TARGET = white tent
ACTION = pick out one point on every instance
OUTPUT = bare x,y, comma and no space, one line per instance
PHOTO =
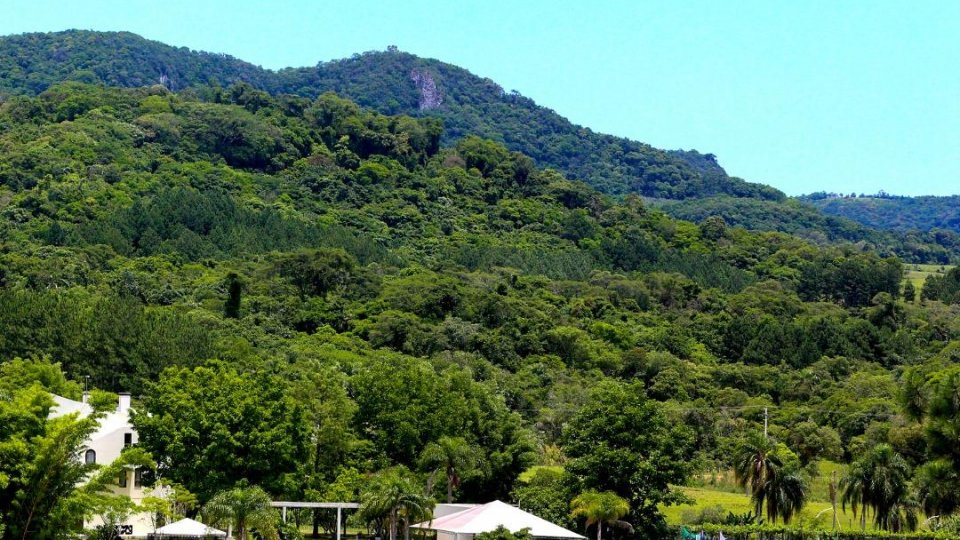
188,528
485,518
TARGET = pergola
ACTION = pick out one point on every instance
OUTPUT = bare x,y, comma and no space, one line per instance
340,506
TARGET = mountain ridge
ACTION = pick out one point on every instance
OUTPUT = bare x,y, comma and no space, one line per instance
384,81
397,83
892,212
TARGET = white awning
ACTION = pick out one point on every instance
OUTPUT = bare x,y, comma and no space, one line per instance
488,517
189,527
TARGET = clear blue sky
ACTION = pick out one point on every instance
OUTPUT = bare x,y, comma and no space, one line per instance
804,95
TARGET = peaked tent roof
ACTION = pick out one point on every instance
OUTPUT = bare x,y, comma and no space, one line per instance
488,517
189,527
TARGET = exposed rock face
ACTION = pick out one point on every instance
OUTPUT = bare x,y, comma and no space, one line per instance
430,97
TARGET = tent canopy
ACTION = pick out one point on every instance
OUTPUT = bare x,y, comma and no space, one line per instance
189,527
488,517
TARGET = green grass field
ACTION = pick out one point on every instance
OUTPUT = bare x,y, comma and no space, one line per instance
816,514
917,273
718,494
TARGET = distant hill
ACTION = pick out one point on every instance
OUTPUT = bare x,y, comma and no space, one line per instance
891,212
390,82
803,218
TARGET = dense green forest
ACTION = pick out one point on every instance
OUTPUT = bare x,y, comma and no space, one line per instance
353,306
391,82
882,211
920,242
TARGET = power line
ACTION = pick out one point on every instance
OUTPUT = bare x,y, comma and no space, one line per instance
801,409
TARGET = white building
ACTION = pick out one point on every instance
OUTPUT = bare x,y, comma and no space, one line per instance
114,434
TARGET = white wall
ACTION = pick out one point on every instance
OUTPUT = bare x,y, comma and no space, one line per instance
108,442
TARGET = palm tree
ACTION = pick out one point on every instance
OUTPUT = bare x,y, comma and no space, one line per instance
455,456
394,497
772,481
905,515
938,487
243,509
785,492
755,462
880,481
604,508
854,488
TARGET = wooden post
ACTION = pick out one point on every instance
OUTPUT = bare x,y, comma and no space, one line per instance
338,522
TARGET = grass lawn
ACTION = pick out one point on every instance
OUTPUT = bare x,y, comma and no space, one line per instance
917,273
816,514
721,495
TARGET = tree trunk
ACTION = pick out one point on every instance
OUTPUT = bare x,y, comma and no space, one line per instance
316,523
451,480
599,529
430,480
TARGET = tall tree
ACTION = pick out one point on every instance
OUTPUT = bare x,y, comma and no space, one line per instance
394,498
755,463
455,457
772,476
622,442
880,481
212,426
39,468
46,489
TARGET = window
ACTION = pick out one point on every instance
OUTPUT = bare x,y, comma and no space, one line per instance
90,457
127,439
137,477
122,480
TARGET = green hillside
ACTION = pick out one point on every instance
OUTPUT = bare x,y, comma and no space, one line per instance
897,213
308,260
384,81
801,218
393,82
330,303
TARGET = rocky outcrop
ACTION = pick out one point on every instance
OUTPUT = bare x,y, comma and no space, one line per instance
430,96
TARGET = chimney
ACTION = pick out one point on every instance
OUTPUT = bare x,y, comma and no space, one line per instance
124,402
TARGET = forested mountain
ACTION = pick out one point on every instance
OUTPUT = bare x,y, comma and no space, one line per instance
390,82
801,217
424,298
341,298
394,82
884,211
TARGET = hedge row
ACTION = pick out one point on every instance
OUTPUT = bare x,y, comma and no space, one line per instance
773,532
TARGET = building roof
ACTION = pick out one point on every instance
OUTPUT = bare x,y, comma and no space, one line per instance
111,422
189,527
488,517
64,406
